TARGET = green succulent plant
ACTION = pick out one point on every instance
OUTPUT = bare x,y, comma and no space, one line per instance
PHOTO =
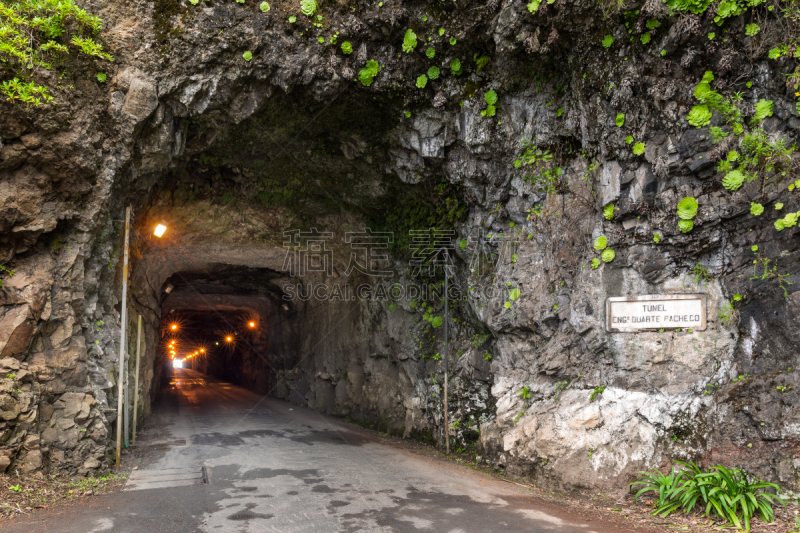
656,238
685,226
513,294
595,263
687,208
433,73
247,56
431,53
645,38
264,7
308,7
101,77
600,243
620,121
409,41
638,149
455,67
608,255
699,116
422,81
756,209
607,41
347,48
608,212
733,180
368,72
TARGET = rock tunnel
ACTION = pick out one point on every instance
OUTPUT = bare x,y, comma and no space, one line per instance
553,172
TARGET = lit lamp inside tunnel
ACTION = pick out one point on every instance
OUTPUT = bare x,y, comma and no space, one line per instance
173,327
159,231
252,324
228,339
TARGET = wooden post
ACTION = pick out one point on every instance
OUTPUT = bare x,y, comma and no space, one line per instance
123,331
136,377
446,324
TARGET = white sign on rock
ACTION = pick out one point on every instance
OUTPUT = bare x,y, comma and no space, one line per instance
652,312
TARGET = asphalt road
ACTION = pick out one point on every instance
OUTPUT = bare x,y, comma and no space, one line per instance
272,466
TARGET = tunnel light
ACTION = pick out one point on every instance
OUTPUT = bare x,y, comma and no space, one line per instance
159,231
173,327
228,338
252,324
216,343
202,350
177,363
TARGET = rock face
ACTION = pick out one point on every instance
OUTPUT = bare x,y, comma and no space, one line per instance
237,154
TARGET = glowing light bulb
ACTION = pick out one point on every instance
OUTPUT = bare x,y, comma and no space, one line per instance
159,231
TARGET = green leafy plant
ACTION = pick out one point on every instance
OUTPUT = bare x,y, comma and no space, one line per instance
608,212
452,41
33,33
596,392
491,99
368,72
481,61
455,67
543,174
644,38
430,52
409,41
600,243
264,6
620,121
433,73
101,77
15,488
292,19
607,41
308,7
701,273
347,48
763,110
596,263
752,29
685,226
699,116
533,6
525,393
513,294
422,81
687,208
756,209
608,255
656,238
247,56
638,149
733,180
629,139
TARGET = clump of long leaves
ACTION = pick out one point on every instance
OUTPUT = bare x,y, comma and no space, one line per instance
729,494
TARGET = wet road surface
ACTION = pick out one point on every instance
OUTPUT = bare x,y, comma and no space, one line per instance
272,466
